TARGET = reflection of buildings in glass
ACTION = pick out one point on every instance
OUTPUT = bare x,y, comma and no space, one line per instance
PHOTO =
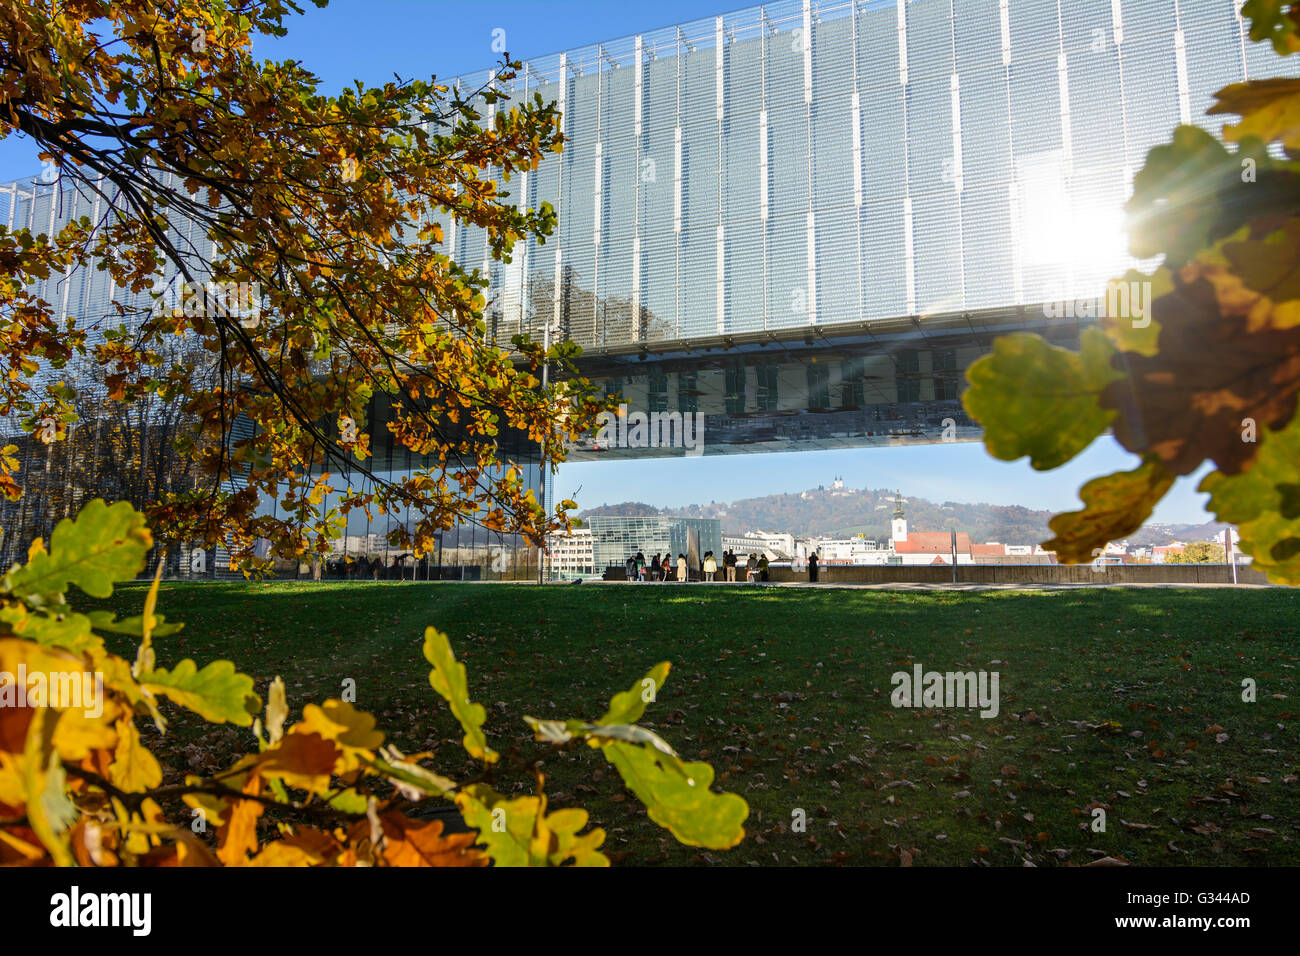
617,538
467,549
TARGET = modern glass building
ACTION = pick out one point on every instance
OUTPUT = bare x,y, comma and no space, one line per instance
817,162
614,538
805,219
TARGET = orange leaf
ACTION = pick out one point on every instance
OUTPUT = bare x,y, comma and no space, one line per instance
410,842
302,759
239,835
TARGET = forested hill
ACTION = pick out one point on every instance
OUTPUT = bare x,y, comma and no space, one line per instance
825,512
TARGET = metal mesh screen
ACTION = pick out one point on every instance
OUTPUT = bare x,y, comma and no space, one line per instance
825,162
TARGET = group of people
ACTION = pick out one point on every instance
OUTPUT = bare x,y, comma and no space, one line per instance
663,568
658,568
362,567
755,566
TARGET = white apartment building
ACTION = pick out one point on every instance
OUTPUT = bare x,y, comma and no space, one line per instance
744,544
572,555
858,550
776,543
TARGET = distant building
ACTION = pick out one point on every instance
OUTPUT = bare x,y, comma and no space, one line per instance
933,547
860,550
904,546
1161,553
746,544
995,553
615,538
571,556
776,543
909,547
925,547
838,489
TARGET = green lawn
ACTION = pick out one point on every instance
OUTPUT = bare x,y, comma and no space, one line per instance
1128,699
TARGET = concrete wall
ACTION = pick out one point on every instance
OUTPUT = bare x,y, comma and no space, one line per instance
1028,574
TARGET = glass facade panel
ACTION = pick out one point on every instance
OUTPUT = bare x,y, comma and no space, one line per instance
837,161
614,539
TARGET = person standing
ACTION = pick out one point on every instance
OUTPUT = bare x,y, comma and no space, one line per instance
751,569
682,576
630,566
654,566
640,566
812,568
710,565
729,563
762,566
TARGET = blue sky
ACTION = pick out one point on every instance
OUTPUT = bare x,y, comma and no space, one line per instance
371,39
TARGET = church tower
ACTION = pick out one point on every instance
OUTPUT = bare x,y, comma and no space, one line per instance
900,522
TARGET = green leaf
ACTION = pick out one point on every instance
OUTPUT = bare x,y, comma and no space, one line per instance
412,774
677,796
449,680
1192,193
519,831
1127,334
1040,400
1264,502
67,630
582,849
102,546
348,801
1114,506
628,706
1270,20
509,835
133,626
217,693
1271,267
49,811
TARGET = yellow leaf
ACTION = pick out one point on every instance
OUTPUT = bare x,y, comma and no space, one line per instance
134,768
277,711
1269,109
238,836
353,730
280,853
